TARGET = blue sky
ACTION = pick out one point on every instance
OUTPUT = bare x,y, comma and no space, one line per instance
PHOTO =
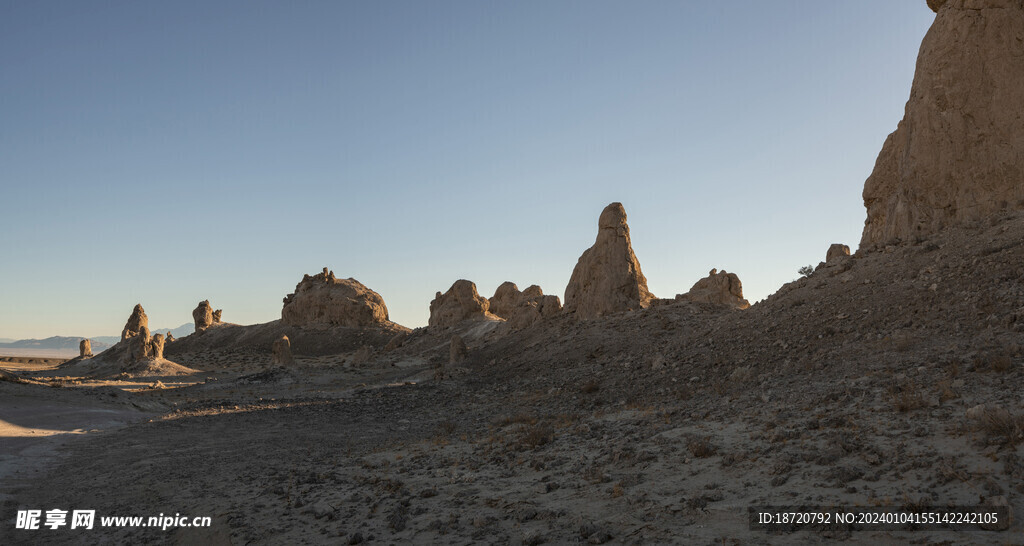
170,152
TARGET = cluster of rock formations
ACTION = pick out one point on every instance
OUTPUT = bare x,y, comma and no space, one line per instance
325,299
958,153
461,302
720,288
521,309
140,345
204,316
136,322
607,278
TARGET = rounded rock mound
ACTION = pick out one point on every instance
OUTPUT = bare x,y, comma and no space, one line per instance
324,299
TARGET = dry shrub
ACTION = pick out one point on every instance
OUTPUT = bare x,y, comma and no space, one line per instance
946,392
953,368
617,490
446,428
996,360
701,447
521,418
997,422
591,386
906,397
537,435
1000,363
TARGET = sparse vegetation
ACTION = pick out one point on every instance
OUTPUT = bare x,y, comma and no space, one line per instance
701,447
537,435
806,270
906,397
521,418
1001,425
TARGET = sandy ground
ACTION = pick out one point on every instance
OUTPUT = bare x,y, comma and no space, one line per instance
37,353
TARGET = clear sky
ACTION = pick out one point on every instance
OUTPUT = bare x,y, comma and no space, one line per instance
168,152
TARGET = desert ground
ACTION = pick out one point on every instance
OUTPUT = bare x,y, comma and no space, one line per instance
888,378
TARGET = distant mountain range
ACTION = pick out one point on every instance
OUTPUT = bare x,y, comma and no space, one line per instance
99,343
55,342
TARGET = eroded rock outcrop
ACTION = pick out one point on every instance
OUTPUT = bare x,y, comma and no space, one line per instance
136,322
85,348
457,350
522,309
203,315
720,288
281,352
958,153
607,278
461,302
836,251
325,299
157,346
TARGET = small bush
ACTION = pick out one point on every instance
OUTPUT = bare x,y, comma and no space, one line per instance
906,397
999,423
537,435
521,418
1000,363
591,386
806,270
701,447
946,392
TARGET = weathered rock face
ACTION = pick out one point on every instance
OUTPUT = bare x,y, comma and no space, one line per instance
522,309
136,322
282,351
836,251
85,348
203,315
324,299
607,279
216,315
720,288
958,153
461,302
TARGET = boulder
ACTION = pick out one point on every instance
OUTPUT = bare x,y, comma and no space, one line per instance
217,315
84,348
136,322
324,299
607,278
203,315
836,251
521,309
936,4
719,288
461,302
958,154
282,352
